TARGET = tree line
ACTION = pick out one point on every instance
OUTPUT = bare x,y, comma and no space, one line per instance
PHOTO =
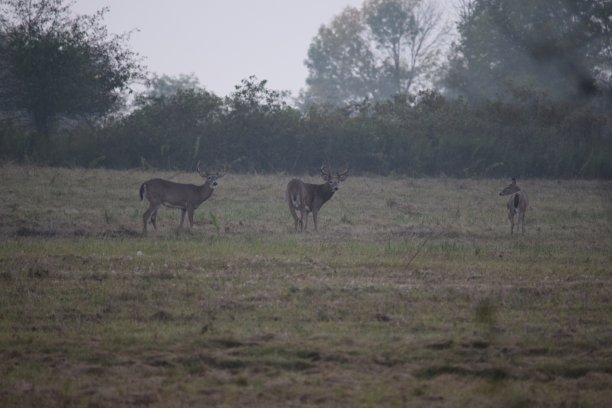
428,134
64,82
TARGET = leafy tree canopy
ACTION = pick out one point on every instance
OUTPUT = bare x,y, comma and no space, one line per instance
168,131
165,85
253,95
386,48
559,47
58,66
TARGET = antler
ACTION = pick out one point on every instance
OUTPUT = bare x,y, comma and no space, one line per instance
202,173
221,172
205,173
325,171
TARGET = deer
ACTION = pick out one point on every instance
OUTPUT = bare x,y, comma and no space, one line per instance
185,197
304,198
517,202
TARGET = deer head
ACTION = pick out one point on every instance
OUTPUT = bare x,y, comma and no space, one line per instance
333,180
211,178
510,189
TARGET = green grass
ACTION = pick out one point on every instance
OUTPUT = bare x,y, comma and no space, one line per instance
412,293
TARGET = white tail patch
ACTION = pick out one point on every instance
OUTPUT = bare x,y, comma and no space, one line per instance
517,203
295,201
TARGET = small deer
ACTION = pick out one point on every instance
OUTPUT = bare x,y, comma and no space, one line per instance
186,197
304,198
518,202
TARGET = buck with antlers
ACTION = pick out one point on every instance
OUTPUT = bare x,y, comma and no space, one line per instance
185,197
517,203
304,198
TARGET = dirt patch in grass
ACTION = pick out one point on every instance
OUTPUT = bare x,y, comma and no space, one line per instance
32,232
401,300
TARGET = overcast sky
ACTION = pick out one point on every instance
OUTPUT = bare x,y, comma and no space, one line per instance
222,41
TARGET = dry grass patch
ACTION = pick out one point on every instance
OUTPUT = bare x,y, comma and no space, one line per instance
412,293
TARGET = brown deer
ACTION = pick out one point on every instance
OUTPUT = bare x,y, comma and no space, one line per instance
304,198
517,202
185,197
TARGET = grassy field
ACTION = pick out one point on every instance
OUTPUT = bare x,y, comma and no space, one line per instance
412,293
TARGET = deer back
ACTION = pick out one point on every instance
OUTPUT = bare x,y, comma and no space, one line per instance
311,197
518,201
518,198
175,194
308,196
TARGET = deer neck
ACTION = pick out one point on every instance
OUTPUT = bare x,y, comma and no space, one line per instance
205,191
325,192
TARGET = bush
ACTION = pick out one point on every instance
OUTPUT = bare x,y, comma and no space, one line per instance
425,135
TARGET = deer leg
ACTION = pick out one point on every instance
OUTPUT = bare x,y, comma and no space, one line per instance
147,215
314,219
304,220
154,219
183,210
296,219
522,220
190,215
293,201
511,217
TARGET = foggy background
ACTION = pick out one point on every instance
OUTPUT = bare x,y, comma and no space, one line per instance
222,42
463,88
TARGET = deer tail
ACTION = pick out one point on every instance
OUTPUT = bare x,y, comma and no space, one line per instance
294,200
517,199
143,188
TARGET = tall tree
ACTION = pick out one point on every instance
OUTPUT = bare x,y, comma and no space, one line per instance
165,85
341,65
56,65
388,47
409,33
172,131
258,126
561,47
